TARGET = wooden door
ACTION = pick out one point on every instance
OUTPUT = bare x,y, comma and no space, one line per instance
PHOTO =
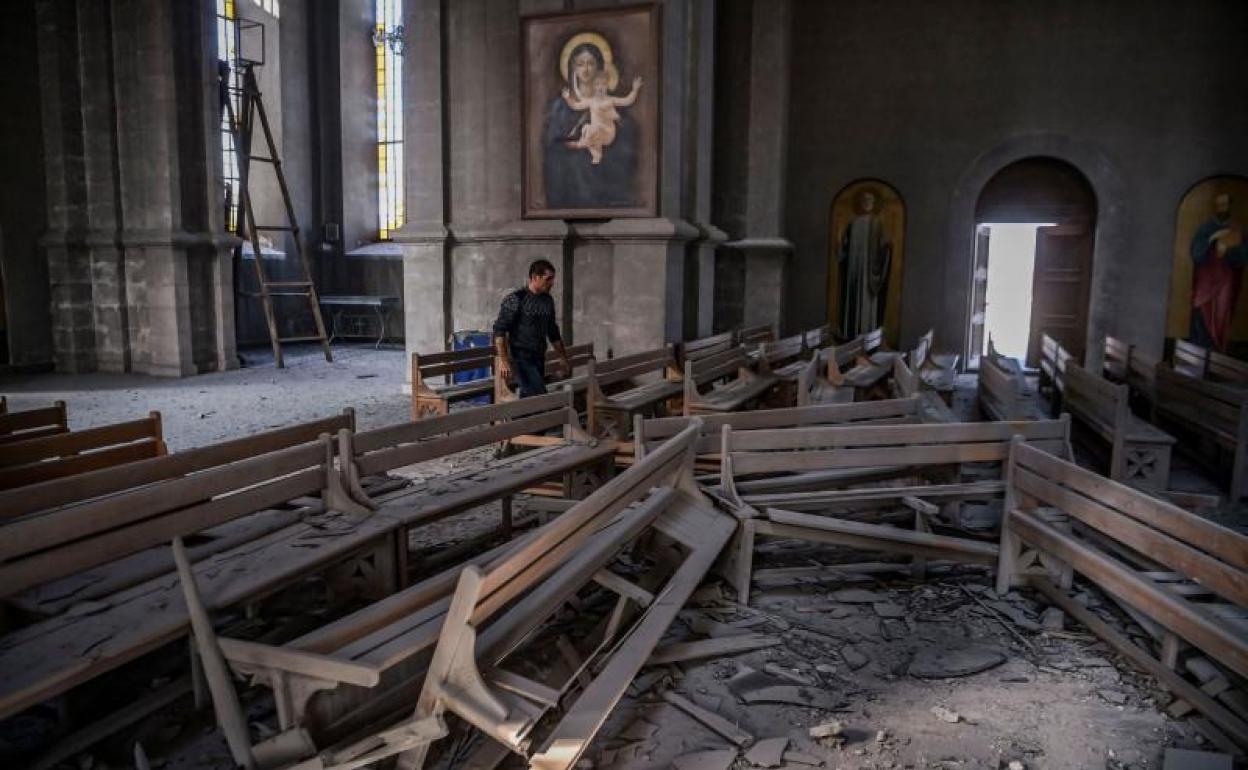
1060,289
979,292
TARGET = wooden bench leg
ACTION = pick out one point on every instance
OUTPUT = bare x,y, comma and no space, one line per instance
737,565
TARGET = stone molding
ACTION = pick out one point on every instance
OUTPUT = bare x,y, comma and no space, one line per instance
137,238
782,245
659,231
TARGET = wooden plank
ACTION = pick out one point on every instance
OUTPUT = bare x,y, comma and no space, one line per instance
78,441
766,528
302,662
979,551
412,431
626,588
16,576
726,730
34,533
935,454
12,424
887,435
18,476
1184,618
711,648
381,460
802,500
1125,647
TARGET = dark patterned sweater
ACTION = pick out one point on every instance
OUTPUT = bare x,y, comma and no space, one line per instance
527,320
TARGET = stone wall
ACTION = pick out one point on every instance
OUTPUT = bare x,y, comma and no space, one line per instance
935,102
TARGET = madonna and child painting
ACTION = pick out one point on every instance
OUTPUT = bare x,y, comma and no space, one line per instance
591,115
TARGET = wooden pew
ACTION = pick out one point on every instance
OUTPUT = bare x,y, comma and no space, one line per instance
746,388
32,423
1117,362
753,336
1053,359
848,455
650,433
59,455
1195,361
449,638
618,391
937,370
431,399
784,360
1215,411
1139,452
906,384
693,350
819,337
557,378
133,611
1002,389
822,381
1061,520
57,496
580,462
869,374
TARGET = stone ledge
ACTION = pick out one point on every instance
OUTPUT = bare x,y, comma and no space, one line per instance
760,244
658,231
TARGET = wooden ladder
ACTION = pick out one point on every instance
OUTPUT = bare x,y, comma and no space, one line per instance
251,107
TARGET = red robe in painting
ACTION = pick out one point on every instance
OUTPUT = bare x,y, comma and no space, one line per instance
1215,285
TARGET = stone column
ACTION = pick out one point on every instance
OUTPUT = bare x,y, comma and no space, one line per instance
702,109
69,265
424,237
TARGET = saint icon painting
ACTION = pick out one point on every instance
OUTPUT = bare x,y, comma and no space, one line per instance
1209,282
591,115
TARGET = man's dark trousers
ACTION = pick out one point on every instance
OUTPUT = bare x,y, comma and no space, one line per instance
530,368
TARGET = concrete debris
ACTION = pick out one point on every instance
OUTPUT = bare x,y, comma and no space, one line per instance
947,663
853,657
946,715
830,729
721,759
858,596
1185,759
768,752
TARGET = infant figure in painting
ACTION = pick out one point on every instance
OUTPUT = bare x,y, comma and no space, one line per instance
599,132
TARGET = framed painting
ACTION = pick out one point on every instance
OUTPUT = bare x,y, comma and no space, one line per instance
867,226
591,114
1208,283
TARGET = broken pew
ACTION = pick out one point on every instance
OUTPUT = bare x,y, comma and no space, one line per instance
1002,389
906,384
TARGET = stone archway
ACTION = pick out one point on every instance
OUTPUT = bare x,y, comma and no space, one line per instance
1110,189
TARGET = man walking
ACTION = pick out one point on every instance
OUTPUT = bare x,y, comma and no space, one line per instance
525,322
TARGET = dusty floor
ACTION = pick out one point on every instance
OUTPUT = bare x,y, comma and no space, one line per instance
1055,700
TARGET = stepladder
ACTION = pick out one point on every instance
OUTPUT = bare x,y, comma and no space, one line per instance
244,119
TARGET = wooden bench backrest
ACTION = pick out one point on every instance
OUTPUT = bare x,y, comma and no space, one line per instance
1213,556
1224,368
1190,359
1097,399
873,340
922,350
426,366
625,368
887,411
108,481
61,455
819,337
1213,406
905,381
711,368
33,423
1053,358
578,355
753,335
48,545
1001,382
407,443
1117,359
827,448
784,350
692,350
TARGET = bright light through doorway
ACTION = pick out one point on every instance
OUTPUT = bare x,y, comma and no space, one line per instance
1011,267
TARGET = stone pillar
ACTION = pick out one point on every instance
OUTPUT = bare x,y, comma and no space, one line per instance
755,178
705,246
69,266
424,237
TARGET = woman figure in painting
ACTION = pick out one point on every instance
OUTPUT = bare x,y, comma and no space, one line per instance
1219,255
583,120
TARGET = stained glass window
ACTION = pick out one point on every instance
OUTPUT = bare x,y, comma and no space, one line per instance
227,55
388,39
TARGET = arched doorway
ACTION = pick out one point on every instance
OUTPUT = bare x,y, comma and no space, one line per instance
1035,223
